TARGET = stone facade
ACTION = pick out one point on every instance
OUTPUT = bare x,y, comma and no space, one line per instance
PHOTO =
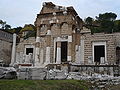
62,39
107,40
5,47
58,29
25,51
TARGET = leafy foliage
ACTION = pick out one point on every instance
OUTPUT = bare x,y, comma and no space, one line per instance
29,28
4,25
105,22
30,31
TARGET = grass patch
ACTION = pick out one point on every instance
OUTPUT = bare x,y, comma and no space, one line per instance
43,85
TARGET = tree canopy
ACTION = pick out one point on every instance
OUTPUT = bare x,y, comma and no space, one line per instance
106,16
105,22
30,31
4,25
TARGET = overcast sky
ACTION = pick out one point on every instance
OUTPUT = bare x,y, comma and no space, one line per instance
20,12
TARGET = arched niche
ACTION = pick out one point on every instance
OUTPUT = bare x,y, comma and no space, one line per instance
55,29
43,29
64,28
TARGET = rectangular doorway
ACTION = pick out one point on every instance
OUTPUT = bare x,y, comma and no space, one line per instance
64,51
29,50
55,51
99,51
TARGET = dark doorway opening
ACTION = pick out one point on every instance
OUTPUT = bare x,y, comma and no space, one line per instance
63,51
99,51
29,50
55,51
117,55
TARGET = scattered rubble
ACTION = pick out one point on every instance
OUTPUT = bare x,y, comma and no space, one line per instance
99,81
8,73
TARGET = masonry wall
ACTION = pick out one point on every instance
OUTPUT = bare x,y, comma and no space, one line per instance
100,37
5,51
117,39
63,23
5,46
20,49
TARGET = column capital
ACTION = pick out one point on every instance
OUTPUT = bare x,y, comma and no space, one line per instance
37,39
49,32
69,38
58,39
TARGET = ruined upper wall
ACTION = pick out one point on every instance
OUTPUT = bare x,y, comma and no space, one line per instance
49,10
49,7
54,18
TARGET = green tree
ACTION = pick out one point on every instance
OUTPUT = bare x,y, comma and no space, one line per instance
116,26
2,23
17,30
30,31
106,22
7,27
89,21
106,16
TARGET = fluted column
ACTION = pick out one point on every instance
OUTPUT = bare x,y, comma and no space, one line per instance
37,52
82,50
48,42
69,48
58,59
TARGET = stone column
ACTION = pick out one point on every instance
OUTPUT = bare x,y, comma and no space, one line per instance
82,50
37,52
69,48
58,59
48,42
77,56
47,55
13,55
38,31
41,56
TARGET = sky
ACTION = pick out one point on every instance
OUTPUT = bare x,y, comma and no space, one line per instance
20,12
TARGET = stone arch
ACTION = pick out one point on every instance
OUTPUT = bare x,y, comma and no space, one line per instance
55,29
64,28
63,24
52,24
43,29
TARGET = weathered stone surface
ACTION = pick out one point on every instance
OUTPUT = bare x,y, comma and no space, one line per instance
8,73
5,47
62,24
